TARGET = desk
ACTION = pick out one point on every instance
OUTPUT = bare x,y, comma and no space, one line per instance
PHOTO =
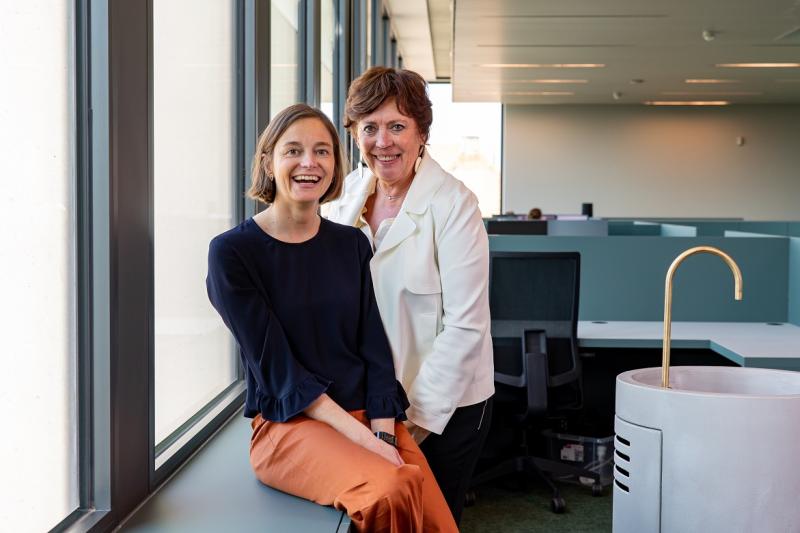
750,344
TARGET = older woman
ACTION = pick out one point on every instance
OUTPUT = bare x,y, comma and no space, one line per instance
296,293
430,271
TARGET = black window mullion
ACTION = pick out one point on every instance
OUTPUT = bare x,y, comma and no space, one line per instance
343,66
312,55
130,251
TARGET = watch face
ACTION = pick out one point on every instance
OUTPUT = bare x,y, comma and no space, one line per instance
387,437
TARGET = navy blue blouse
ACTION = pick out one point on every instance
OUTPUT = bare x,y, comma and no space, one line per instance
306,320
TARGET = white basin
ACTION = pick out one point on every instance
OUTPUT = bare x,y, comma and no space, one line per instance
718,451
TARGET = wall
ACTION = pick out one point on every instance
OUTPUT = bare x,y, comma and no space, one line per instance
653,161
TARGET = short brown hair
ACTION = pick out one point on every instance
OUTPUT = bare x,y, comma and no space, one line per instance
368,92
262,188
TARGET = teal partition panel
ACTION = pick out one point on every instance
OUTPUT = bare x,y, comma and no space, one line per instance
794,280
630,227
675,230
622,278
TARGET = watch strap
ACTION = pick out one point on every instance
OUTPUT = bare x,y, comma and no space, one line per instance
387,437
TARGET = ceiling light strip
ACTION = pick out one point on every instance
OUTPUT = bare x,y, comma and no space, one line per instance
710,80
758,65
542,65
690,103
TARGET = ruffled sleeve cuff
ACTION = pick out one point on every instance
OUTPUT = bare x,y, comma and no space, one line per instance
388,406
303,395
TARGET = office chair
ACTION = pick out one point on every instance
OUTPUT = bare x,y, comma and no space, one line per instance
534,306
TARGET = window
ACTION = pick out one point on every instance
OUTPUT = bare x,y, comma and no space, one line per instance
285,49
465,139
38,401
194,198
327,59
370,30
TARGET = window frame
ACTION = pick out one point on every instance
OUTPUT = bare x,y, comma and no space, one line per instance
114,62
116,315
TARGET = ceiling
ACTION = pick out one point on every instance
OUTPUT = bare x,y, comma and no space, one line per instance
649,50
411,26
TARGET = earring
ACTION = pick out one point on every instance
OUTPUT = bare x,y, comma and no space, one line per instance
361,166
418,162
270,177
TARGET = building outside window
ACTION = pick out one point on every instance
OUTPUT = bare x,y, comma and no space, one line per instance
466,140
38,368
285,60
327,50
195,198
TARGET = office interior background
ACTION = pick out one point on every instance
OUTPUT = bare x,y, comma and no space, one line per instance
127,128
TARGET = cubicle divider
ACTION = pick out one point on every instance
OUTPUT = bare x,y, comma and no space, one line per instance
677,230
622,277
794,279
633,228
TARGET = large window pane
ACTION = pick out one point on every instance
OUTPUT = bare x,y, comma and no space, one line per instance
194,146
465,139
285,64
38,386
370,31
327,42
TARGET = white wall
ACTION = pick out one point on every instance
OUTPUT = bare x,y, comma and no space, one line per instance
653,161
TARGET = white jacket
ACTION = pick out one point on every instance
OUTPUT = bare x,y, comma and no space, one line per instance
431,277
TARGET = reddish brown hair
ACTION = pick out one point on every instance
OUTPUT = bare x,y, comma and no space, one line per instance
368,92
262,187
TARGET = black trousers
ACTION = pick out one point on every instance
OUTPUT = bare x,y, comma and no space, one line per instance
454,454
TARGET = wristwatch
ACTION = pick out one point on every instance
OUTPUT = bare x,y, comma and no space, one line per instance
387,438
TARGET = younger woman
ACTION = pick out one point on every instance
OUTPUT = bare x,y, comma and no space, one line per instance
296,292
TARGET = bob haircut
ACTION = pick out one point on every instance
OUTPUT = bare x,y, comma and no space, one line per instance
262,187
368,92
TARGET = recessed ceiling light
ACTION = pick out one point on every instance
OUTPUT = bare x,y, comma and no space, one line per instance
759,65
542,65
710,80
539,93
666,102
546,81
715,93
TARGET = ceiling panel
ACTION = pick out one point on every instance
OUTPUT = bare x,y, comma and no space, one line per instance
648,49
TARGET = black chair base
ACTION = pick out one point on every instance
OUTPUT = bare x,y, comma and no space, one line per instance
527,465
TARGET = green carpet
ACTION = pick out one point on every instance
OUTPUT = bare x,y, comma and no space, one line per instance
504,509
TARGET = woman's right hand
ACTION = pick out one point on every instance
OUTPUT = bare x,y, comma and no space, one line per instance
384,449
326,410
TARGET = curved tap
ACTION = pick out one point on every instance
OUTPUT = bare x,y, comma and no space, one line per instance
737,294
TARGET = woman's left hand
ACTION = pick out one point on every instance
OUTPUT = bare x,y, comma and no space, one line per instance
418,433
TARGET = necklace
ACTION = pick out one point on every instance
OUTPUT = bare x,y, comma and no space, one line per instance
393,197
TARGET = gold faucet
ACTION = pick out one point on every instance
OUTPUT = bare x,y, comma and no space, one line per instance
737,294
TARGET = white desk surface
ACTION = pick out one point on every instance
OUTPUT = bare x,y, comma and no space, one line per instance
755,344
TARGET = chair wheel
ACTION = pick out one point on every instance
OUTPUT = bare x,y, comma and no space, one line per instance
469,498
597,489
558,505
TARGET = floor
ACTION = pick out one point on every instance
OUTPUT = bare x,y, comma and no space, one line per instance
510,509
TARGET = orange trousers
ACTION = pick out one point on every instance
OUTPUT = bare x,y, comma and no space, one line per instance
310,459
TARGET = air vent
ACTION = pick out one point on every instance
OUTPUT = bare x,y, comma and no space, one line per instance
637,477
